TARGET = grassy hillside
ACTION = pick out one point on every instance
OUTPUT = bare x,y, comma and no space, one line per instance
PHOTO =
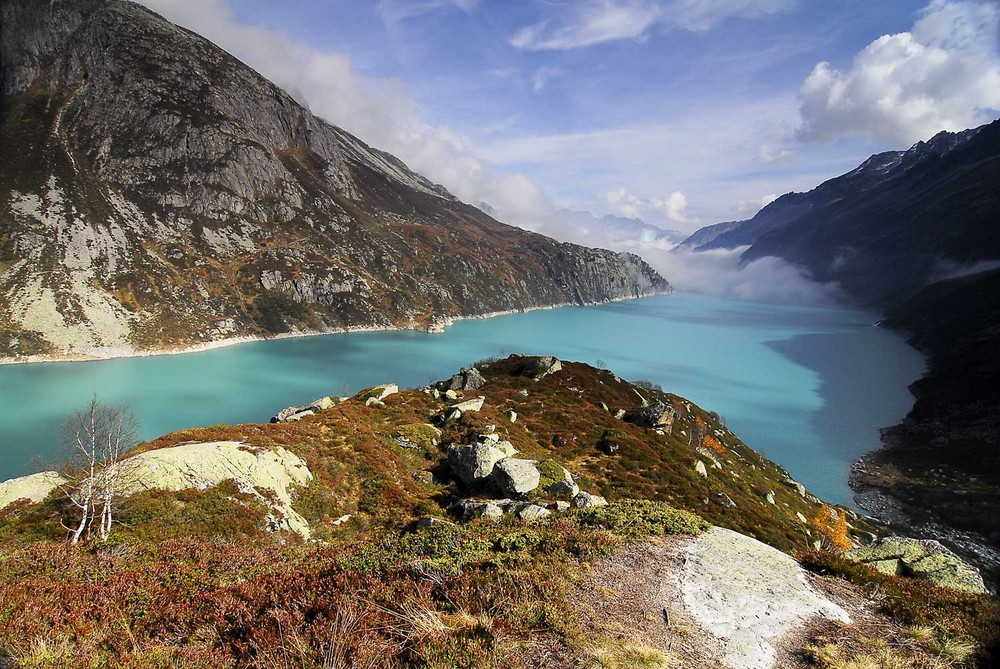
192,578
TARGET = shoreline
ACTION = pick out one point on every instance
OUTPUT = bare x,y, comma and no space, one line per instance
438,326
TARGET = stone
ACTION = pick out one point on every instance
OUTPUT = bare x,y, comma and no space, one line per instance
564,489
795,485
585,500
451,395
655,415
748,595
374,402
34,488
539,368
802,519
270,475
726,500
513,416
770,498
620,414
922,558
471,510
514,476
379,392
473,464
425,477
533,512
469,405
468,379
561,506
699,467
506,448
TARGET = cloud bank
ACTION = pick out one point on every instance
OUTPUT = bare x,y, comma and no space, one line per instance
944,74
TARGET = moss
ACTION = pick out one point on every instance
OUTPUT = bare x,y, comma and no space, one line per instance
635,519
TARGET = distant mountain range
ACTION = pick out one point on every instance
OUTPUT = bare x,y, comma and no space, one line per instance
157,193
915,235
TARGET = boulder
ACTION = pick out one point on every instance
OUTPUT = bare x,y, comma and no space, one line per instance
585,500
533,512
270,475
726,500
564,488
34,488
656,415
468,379
561,506
378,392
514,476
699,467
473,464
513,416
922,558
299,412
795,485
471,509
539,368
770,498
451,395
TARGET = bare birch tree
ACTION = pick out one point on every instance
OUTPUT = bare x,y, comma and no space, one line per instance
96,436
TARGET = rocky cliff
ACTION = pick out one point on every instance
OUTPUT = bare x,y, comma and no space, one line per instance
156,192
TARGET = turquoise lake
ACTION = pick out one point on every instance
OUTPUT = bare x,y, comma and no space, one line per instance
808,387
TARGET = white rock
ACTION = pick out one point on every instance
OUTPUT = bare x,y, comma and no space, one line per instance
35,487
748,594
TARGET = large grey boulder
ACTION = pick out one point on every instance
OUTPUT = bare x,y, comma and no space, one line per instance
565,488
514,476
656,415
295,413
473,464
468,379
539,368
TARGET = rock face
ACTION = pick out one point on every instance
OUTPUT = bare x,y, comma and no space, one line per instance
748,594
156,192
922,558
34,488
269,475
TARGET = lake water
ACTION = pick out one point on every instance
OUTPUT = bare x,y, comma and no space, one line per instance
806,386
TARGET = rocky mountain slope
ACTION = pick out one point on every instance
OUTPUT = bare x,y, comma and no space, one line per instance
526,512
156,192
913,234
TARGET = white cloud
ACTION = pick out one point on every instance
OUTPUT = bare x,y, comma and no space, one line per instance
591,22
775,155
942,75
543,76
672,208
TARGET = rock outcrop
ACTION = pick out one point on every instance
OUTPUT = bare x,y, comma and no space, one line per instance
158,193
922,558
748,595
33,488
270,475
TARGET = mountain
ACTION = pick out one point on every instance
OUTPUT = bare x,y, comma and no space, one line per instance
156,192
583,226
884,229
703,238
526,512
914,235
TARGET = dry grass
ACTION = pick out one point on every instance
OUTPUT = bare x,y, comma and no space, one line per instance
622,654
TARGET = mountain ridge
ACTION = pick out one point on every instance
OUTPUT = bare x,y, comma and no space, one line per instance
161,194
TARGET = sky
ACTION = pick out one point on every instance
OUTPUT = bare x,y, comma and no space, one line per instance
679,112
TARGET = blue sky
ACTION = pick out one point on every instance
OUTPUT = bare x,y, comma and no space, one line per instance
682,112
